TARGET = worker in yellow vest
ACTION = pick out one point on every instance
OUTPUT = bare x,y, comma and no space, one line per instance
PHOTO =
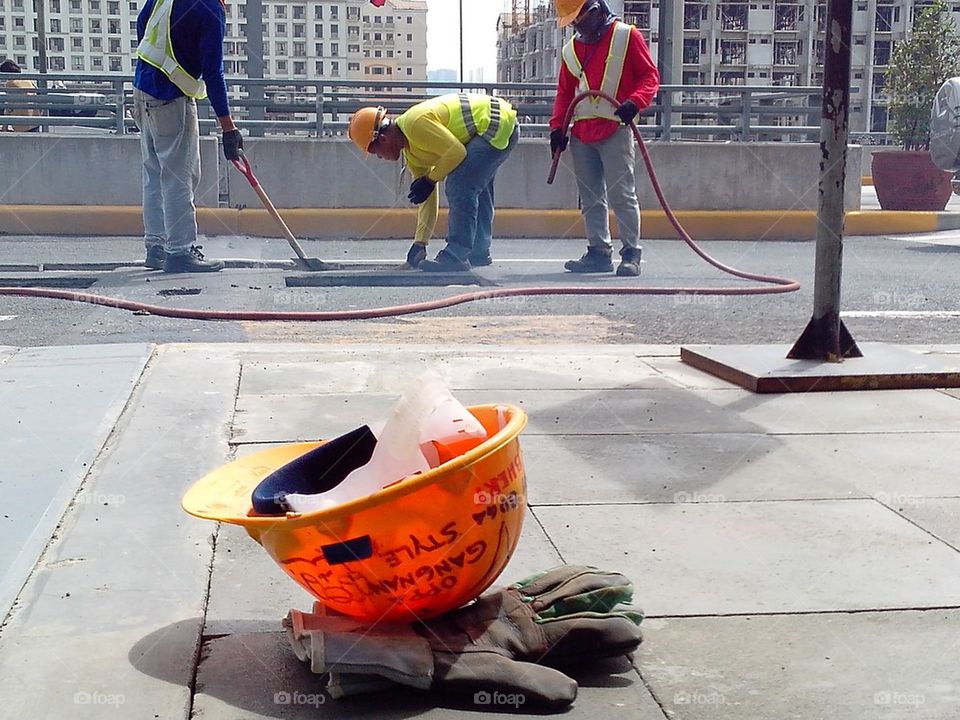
180,60
609,55
458,138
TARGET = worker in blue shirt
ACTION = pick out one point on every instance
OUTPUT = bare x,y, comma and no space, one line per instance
180,61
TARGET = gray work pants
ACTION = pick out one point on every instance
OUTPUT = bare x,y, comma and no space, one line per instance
170,146
604,173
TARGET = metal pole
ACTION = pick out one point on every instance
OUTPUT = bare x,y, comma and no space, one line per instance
825,337
669,58
41,10
254,47
461,44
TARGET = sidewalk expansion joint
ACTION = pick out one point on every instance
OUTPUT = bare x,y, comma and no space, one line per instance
788,613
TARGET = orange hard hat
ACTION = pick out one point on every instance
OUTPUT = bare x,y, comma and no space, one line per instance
567,11
417,548
365,126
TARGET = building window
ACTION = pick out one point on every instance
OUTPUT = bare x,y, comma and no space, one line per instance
113,7
116,64
318,30
281,66
318,12
76,63
318,67
299,68
280,11
319,49
354,66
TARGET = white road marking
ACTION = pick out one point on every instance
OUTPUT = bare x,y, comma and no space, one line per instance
902,314
7,317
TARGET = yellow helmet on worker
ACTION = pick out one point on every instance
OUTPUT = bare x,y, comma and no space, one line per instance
365,126
567,10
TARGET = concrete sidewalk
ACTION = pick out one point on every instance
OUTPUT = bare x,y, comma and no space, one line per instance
797,556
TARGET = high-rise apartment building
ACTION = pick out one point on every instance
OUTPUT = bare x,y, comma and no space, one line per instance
762,42
308,40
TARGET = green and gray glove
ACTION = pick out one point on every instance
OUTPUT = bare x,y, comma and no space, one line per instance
491,648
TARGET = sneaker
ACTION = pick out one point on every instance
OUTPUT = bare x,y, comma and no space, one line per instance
594,260
481,260
416,254
629,262
191,261
155,257
444,262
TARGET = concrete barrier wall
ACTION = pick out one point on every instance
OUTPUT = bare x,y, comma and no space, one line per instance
694,176
304,173
38,169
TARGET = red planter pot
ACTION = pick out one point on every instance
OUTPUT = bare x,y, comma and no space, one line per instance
908,180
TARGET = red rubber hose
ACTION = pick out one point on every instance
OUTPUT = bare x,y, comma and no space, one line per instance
773,284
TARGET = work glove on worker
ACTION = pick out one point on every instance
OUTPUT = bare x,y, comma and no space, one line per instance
627,111
557,141
494,645
421,189
232,144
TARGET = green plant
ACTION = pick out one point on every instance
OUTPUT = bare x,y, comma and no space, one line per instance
918,67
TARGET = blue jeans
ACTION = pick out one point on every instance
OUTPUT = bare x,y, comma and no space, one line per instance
470,198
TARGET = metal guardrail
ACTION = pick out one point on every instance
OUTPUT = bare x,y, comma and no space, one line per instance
322,107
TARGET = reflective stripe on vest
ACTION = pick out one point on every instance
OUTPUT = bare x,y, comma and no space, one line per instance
156,48
595,107
468,113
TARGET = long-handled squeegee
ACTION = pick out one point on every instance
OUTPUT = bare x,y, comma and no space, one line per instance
302,261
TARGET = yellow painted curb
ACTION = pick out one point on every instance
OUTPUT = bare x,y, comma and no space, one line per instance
866,180
380,223
889,222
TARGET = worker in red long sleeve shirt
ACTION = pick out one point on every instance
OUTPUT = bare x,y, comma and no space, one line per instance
609,55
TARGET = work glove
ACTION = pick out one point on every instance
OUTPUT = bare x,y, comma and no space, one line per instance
232,144
420,189
416,254
488,650
627,111
557,141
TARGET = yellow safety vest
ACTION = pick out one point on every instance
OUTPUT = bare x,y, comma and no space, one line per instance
595,107
156,48
488,116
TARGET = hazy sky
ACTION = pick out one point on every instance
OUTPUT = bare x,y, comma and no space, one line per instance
479,35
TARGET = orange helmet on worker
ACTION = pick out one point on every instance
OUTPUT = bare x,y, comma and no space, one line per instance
365,125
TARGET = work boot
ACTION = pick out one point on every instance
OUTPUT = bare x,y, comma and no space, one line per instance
190,262
481,260
595,260
155,257
629,262
444,262
416,254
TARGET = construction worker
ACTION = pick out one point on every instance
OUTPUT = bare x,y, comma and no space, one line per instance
180,59
460,138
609,55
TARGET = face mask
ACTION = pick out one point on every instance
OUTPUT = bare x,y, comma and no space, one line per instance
591,22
